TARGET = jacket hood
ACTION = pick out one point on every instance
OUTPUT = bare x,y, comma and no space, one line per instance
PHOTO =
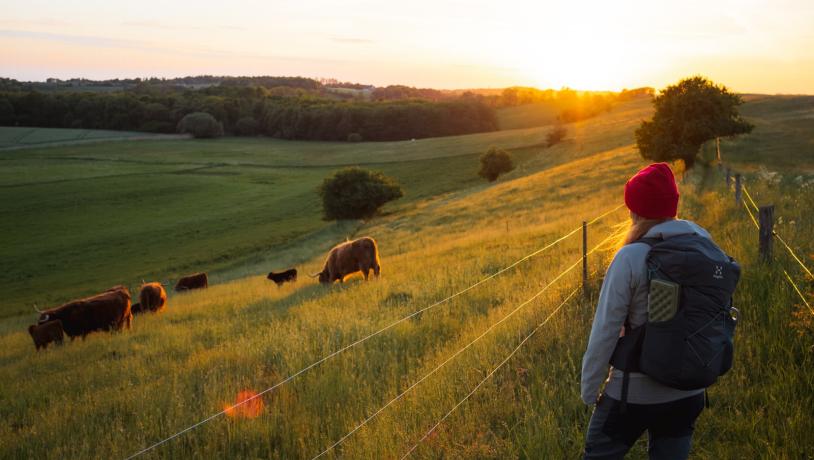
676,227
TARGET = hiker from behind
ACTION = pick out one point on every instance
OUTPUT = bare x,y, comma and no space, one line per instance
664,323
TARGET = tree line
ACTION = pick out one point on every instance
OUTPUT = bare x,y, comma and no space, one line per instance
249,106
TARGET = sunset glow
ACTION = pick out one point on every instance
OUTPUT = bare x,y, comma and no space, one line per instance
752,46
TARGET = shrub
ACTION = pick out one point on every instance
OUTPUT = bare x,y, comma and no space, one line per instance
355,193
354,137
556,135
200,125
246,126
495,162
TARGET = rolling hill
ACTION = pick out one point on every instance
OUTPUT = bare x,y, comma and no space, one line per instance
91,216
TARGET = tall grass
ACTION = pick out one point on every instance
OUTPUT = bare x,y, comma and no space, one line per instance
113,394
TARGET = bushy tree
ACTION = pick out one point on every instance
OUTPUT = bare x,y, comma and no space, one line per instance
200,125
495,162
556,135
6,112
688,114
355,193
246,126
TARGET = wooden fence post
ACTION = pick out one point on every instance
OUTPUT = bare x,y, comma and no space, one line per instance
718,149
728,177
585,258
737,189
766,221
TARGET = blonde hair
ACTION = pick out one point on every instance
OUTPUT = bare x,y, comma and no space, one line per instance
639,227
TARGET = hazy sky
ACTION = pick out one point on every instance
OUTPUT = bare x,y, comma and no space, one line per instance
750,46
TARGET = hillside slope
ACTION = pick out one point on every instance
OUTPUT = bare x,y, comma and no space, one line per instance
112,395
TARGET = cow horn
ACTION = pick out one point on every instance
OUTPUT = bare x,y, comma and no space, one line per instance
37,309
314,275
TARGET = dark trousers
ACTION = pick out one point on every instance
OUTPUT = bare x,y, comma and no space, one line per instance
669,427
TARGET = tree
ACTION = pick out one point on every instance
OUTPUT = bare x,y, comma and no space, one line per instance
246,126
355,193
354,137
688,114
6,112
556,135
200,125
495,162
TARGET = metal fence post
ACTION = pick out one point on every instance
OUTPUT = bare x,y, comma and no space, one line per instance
766,221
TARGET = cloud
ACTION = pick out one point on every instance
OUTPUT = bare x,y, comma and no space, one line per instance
107,42
165,26
83,40
352,40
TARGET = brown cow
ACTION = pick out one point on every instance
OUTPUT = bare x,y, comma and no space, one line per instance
350,257
279,278
105,311
152,298
196,281
45,333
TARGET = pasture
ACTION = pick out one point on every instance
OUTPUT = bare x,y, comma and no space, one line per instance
109,213
243,207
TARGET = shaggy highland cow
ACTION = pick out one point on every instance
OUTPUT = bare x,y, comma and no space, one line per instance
350,257
107,311
152,297
190,282
45,333
282,277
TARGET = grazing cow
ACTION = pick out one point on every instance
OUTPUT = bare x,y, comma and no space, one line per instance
196,281
282,277
105,311
45,333
350,257
152,298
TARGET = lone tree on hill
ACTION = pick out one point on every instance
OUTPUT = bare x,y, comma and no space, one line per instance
200,125
495,162
355,193
688,114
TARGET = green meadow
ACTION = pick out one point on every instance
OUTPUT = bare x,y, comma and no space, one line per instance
84,217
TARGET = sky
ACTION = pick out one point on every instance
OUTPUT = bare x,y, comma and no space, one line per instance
747,45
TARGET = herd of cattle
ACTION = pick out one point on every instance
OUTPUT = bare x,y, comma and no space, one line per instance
112,309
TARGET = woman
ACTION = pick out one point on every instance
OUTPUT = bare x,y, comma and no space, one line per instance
667,414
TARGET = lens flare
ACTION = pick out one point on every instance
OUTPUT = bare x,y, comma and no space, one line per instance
247,405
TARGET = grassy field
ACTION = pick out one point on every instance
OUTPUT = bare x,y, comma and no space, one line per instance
113,394
90,216
14,137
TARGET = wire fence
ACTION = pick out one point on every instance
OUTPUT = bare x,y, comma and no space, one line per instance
465,347
490,374
740,186
376,333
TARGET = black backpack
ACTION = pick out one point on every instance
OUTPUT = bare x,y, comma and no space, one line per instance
693,348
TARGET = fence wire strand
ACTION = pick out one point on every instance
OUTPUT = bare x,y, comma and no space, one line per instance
363,339
788,277
777,235
490,374
461,350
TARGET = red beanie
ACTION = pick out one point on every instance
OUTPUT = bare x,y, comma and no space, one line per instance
652,193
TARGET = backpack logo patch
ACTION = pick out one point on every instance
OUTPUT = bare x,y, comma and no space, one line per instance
718,273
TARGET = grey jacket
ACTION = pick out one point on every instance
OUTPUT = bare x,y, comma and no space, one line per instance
623,295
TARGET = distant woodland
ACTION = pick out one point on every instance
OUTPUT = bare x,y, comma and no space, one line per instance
281,107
